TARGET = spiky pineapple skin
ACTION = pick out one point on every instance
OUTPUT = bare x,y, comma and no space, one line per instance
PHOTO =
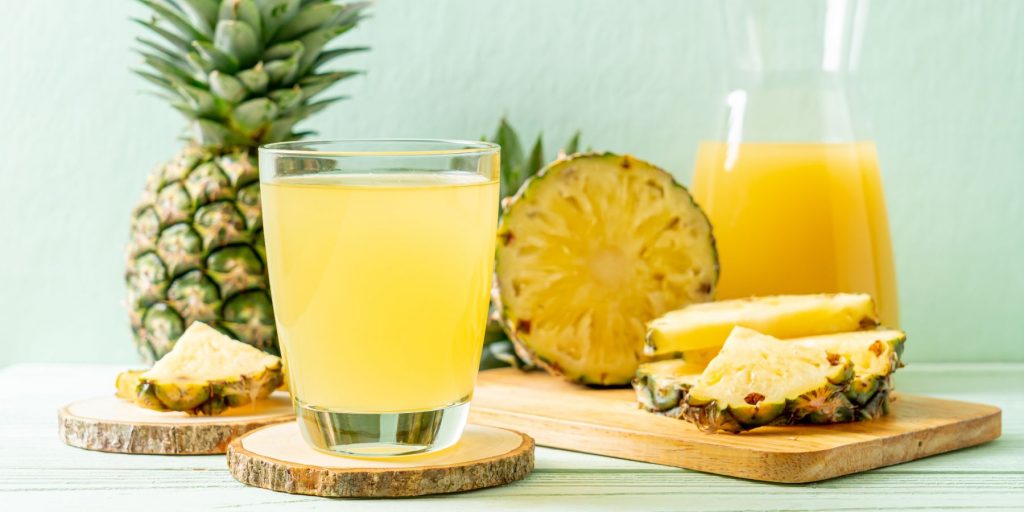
671,402
871,393
196,253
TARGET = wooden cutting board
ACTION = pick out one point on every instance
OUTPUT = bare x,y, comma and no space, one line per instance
607,422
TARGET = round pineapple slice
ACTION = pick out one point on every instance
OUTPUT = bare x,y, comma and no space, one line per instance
591,249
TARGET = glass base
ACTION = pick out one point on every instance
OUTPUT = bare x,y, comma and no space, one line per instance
381,434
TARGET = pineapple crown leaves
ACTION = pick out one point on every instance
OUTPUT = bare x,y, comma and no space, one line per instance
517,166
245,72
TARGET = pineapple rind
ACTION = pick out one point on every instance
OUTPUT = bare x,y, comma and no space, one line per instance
661,385
589,345
211,397
878,406
821,406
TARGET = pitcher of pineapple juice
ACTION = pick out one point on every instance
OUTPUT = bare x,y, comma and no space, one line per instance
791,184
380,256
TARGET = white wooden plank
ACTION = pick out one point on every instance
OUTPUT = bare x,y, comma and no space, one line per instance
39,472
552,491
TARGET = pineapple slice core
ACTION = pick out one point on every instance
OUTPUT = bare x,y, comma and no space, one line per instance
204,354
753,368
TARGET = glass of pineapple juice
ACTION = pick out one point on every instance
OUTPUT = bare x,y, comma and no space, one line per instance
380,255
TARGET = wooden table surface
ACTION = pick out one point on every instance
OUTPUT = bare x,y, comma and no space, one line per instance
38,472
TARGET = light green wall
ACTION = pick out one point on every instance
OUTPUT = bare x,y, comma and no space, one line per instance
943,84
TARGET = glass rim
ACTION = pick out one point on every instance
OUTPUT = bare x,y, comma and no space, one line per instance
300,148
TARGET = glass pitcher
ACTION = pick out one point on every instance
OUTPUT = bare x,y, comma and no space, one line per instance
790,182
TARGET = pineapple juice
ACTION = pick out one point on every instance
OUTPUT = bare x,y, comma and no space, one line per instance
798,218
381,285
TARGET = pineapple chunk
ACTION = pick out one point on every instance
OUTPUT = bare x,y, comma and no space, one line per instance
205,373
700,327
588,251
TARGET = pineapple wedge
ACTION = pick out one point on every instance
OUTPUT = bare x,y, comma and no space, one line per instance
698,330
205,373
758,380
666,387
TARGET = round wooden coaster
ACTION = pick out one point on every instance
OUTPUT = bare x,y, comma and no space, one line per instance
110,424
278,458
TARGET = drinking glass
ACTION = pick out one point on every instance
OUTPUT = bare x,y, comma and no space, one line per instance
380,254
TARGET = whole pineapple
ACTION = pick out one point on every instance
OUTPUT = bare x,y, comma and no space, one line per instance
244,73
